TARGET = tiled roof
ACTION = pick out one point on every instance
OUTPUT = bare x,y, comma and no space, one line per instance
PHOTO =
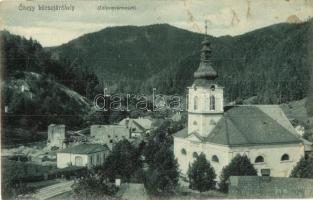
85,149
251,125
143,123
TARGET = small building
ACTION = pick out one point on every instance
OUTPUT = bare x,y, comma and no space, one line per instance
109,134
137,127
56,136
82,155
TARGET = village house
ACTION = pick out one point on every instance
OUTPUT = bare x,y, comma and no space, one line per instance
262,132
109,134
82,155
138,127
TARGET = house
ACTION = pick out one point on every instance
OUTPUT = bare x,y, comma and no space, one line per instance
109,134
262,132
82,155
138,127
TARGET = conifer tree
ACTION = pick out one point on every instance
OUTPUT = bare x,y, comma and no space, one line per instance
201,174
239,166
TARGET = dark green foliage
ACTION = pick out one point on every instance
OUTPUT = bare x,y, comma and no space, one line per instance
239,166
93,186
165,57
158,138
303,169
162,176
308,134
201,174
309,100
123,161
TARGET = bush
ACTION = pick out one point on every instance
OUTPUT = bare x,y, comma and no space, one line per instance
303,169
93,186
239,166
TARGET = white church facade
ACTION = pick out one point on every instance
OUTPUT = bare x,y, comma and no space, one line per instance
262,132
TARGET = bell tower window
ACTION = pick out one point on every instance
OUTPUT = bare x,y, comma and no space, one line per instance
195,103
212,102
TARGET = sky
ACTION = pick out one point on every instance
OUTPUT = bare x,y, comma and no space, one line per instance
224,17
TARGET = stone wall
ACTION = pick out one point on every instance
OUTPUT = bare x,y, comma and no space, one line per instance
56,135
270,187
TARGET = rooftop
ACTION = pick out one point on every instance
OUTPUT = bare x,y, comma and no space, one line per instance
250,125
85,149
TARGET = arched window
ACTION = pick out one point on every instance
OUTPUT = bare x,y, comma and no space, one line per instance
215,159
259,159
183,151
195,154
195,103
195,123
212,102
284,157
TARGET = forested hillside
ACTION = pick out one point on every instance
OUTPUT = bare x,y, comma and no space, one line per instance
271,63
34,94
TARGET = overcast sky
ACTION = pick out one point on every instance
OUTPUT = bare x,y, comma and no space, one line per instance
225,17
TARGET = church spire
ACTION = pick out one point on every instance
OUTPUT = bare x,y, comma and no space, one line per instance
205,73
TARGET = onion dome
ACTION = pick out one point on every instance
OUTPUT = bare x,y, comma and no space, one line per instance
205,74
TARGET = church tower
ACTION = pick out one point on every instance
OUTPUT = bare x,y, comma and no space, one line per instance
205,97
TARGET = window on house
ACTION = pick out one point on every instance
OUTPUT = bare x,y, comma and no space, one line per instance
212,102
215,159
78,161
195,103
284,157
111,141
183,151
195,154
91,159
259,159
98,158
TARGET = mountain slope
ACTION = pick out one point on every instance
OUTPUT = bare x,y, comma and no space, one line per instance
136,59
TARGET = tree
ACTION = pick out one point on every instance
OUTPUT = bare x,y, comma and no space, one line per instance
162,175
93,186
238,166
123,161
201,174
303,169
156,140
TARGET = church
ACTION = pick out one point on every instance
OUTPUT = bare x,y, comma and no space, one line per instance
262,132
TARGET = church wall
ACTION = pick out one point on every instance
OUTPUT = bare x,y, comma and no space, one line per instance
222,152
272,157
